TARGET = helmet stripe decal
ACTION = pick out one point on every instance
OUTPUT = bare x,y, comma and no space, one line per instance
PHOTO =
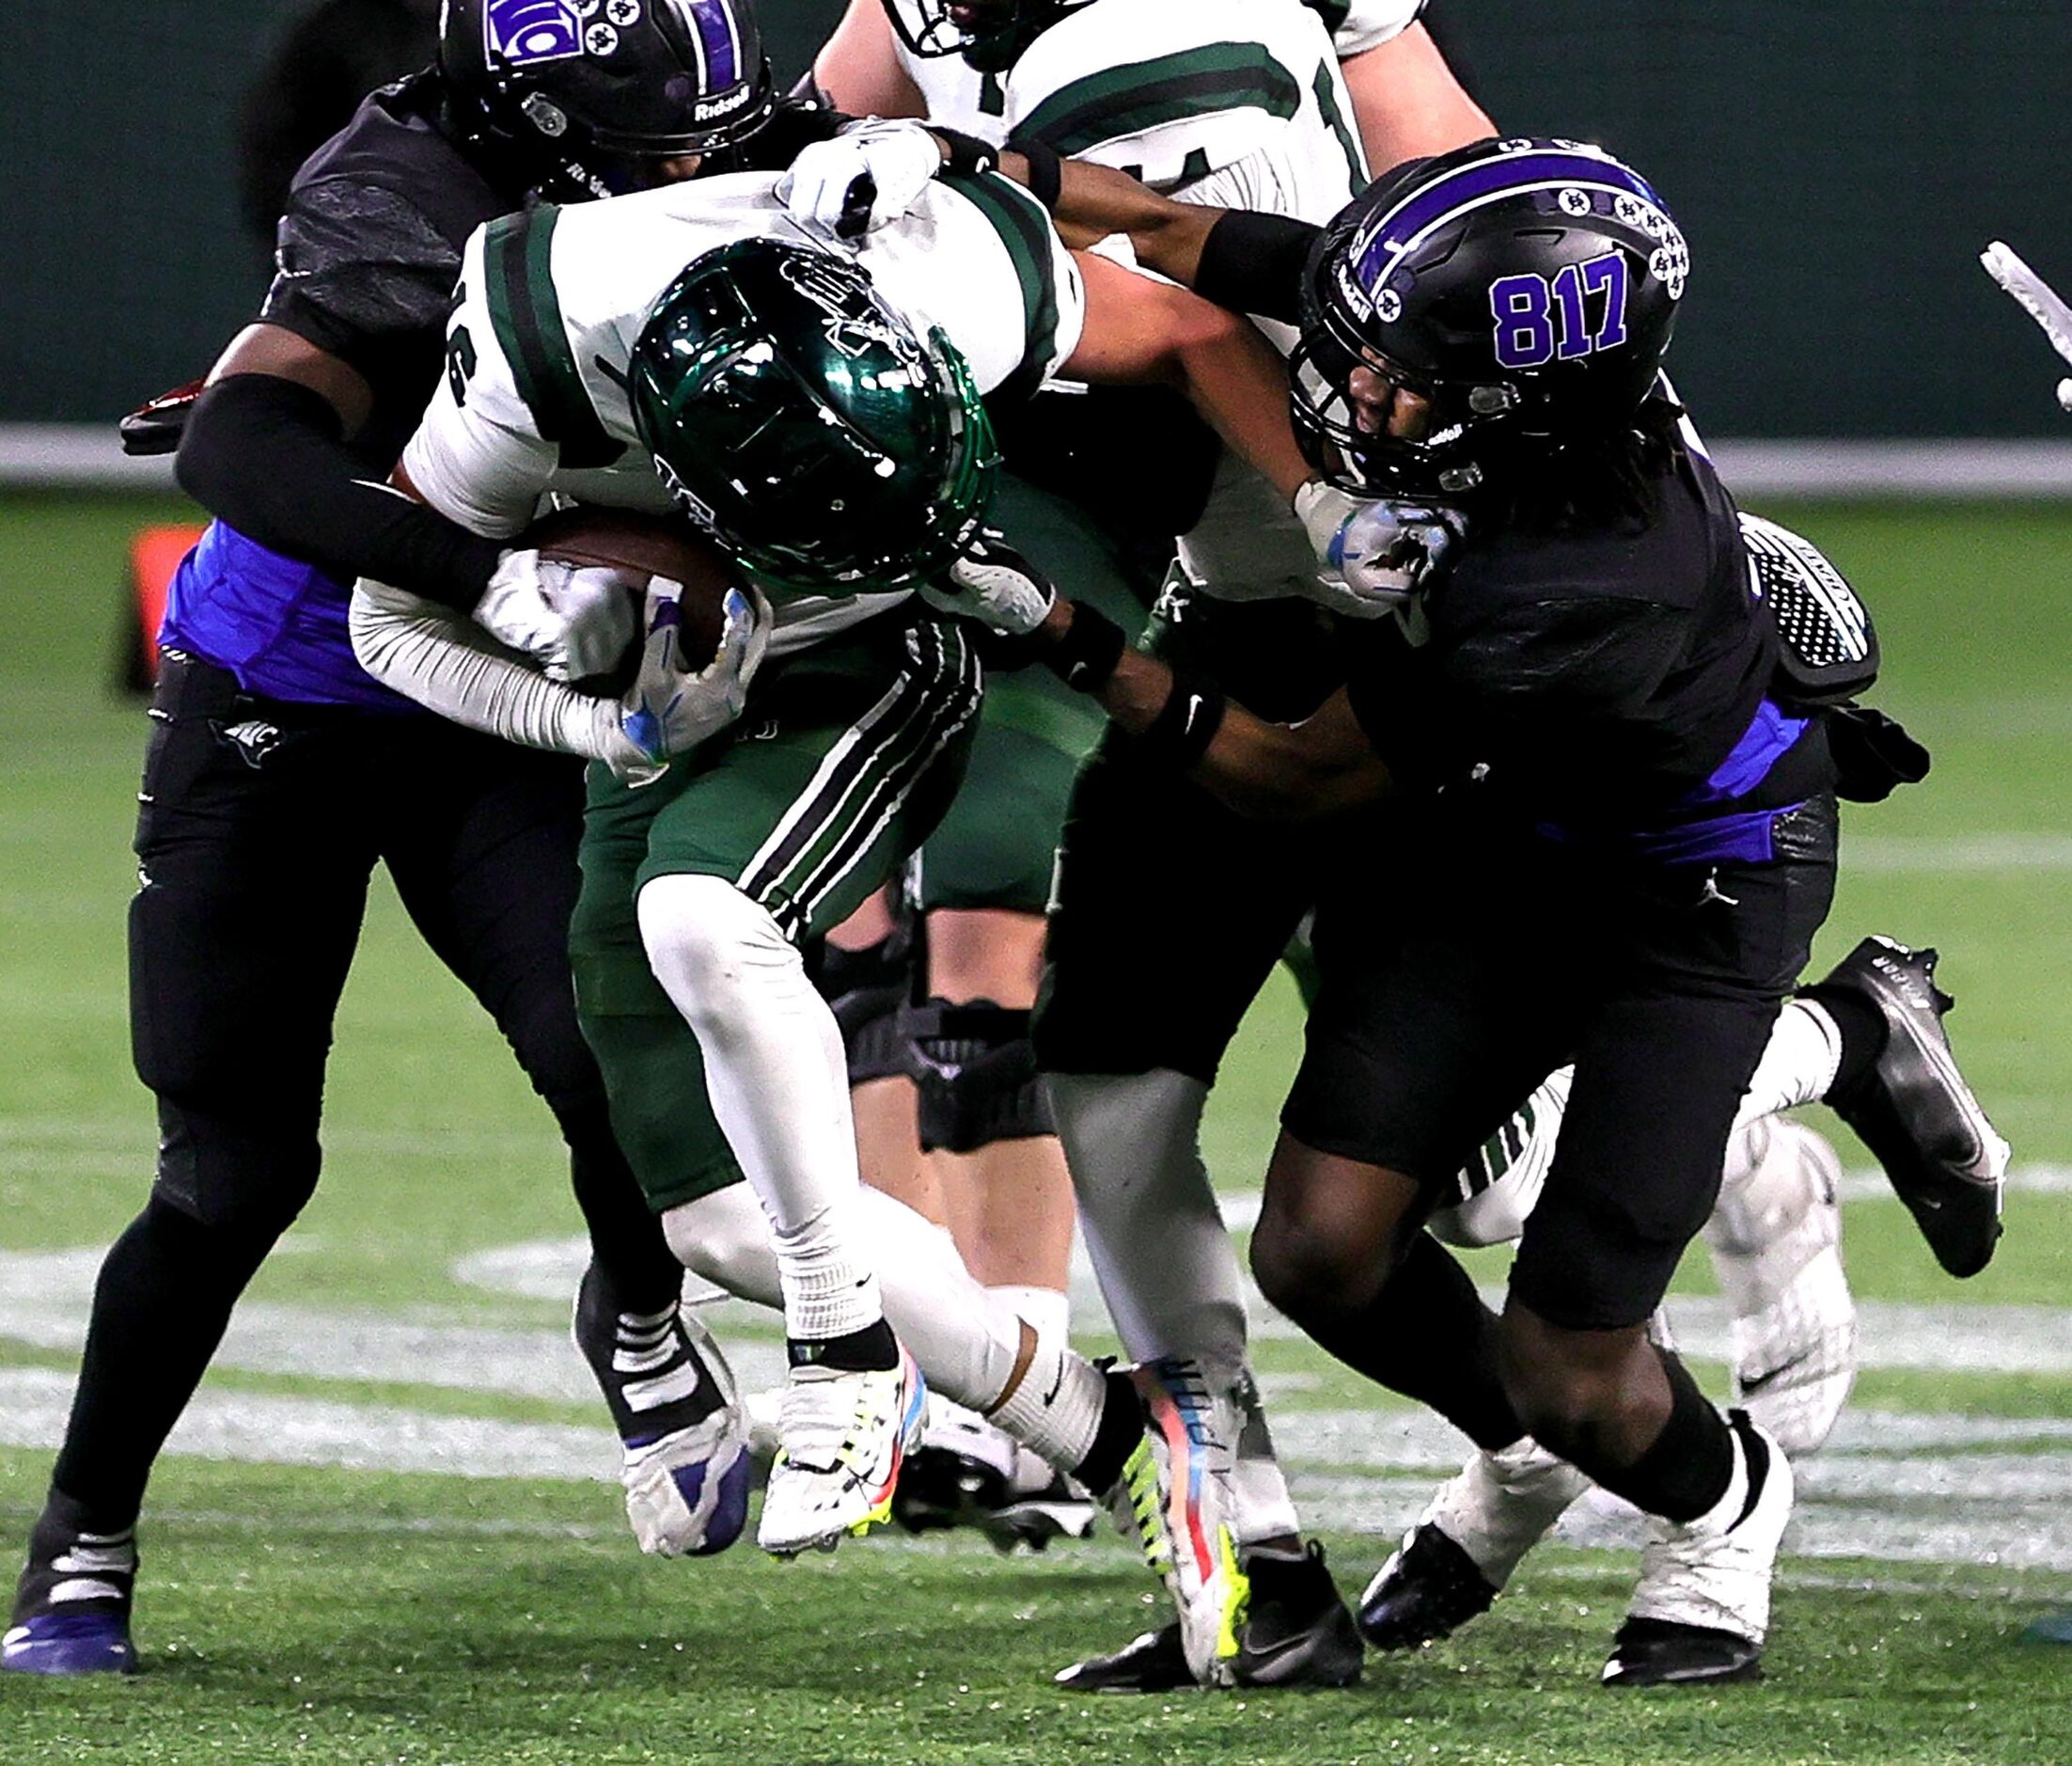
711,23
1390,236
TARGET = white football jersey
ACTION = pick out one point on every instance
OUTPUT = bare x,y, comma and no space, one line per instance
1245,92
552,302
1238,104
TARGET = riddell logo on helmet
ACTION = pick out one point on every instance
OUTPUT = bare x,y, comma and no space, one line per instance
725,106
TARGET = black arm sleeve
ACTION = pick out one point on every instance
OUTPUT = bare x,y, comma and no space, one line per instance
1253,262
267,455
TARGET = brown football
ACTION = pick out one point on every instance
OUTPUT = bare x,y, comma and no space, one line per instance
653,545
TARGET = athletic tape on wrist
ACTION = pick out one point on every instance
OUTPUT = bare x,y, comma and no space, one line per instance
1186,725
1086,655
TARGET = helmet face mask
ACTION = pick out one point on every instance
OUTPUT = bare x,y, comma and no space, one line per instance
1526,288
593,97
988,34
802,422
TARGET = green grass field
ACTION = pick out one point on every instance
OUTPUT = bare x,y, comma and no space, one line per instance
322,1584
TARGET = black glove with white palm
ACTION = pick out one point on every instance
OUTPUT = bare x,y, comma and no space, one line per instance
994,584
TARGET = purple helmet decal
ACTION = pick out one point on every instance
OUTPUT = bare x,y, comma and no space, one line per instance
524,33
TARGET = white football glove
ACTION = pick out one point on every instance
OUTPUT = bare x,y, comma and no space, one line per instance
573,620
872,172
996,585
1375,552
669,709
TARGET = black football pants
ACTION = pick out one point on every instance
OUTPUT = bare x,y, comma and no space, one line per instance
260,824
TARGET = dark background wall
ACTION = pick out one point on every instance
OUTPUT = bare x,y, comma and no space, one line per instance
1836,165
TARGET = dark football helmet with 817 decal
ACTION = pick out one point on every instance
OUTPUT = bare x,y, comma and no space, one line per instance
1526,290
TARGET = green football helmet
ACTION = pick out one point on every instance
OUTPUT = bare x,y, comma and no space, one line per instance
801,422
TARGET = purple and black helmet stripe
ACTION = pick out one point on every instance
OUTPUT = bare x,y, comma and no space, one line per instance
718,39
1385,238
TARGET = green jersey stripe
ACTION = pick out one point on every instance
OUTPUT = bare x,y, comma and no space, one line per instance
1327,101
1124,100
517,254
1024,228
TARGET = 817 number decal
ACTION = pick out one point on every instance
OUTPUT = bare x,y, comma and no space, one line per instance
1540,321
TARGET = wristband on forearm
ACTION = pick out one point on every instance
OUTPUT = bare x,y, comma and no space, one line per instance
964,153
1086,655
1186,725
1046,170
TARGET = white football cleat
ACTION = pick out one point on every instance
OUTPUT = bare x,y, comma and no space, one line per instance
845,1435
1172,1500
1703,1607
1775,1243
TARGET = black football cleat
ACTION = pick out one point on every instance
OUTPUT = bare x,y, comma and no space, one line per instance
1428,1590
1154,1663
1654,1652
940,1488
1297,1631
72,1610
1915,1112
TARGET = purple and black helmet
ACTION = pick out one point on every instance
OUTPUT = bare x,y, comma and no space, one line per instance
594,93
1525,287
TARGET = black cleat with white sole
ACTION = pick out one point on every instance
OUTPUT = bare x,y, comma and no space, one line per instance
1428,1590
1297,1632
1657,1652
1914,1109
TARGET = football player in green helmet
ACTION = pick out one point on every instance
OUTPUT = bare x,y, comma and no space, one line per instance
815,405
821,439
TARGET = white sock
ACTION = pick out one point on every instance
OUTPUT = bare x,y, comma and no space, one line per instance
779,1087
1046,1310
1798,1066
1055,1409
966,1340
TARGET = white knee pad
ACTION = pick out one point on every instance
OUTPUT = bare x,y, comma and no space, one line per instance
711,948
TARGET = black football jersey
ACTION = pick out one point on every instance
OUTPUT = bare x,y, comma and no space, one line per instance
1592,679
370,246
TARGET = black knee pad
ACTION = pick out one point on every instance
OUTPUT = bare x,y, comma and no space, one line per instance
977,1074
867,990
247,1176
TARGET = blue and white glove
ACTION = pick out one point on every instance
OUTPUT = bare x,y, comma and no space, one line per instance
996,585
669,710
573,620
872,172
1375,552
